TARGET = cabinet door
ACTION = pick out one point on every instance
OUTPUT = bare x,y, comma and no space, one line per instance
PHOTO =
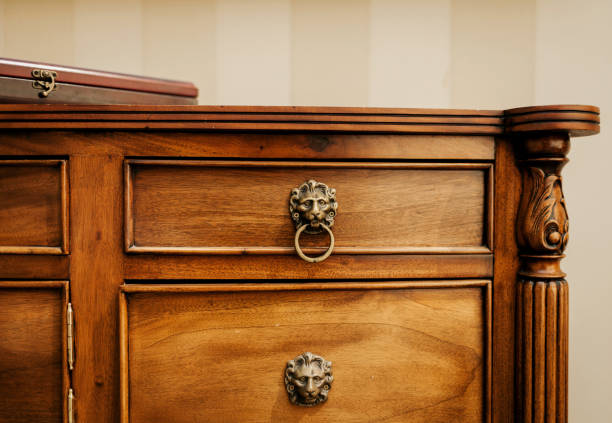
399,351
33,365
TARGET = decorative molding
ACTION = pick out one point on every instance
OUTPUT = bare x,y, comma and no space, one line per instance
542,331
543,223
542,293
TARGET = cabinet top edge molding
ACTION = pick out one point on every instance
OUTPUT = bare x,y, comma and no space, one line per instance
576,120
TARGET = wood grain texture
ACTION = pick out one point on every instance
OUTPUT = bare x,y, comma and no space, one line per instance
29,267
34,214
222,207
210,356
95,273
507,195
252,145
32,350
269,118
415,266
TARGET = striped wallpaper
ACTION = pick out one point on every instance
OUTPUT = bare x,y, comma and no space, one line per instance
436,53
410,53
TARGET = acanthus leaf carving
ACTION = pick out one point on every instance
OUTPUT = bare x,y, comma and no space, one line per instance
543,226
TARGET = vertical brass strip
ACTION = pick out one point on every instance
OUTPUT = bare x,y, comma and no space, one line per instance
70,336
70,406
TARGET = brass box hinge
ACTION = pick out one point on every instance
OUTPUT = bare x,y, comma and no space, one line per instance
44,80
70,400
70,337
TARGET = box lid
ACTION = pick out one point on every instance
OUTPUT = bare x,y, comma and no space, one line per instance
79,76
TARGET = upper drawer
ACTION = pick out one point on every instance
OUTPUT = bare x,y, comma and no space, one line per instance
33,207
242,207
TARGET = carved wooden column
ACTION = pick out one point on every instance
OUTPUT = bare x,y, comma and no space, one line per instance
542,140
542,302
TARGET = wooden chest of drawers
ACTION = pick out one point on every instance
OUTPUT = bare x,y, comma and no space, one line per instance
257,264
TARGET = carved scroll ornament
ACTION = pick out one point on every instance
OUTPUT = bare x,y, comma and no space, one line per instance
543,223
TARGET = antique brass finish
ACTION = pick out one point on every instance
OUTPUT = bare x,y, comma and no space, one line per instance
44,80
70,405
70,336
313,208
318,258
308,379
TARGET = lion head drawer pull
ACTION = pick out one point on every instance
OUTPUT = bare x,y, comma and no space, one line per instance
308,379
313,208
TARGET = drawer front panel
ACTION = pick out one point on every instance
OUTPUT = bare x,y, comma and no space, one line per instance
33,373
216,207
33,207
400,351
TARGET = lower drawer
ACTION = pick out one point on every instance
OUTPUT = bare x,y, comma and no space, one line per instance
33,362
399,352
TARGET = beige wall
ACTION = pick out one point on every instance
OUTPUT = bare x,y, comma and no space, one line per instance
428,53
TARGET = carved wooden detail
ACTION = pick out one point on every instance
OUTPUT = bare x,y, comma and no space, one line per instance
543,221
542,293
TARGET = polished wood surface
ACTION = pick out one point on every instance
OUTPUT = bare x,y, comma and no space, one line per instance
208,207
34,212
416,152
400,352
370,266
33,374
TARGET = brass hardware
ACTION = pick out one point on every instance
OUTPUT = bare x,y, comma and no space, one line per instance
45,81
313,208
318,258
308,379
70,406
70,336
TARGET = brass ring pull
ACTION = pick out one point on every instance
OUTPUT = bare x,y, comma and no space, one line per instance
318,258
313,208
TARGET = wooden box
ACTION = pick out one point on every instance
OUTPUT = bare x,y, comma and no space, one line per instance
31,82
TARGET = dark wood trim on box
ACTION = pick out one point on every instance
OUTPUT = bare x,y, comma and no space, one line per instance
63,248
130,246
64,286
81,76
127,289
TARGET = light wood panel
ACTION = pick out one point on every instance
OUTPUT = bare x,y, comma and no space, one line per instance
223,207
255,146
34,207
401,351
371,266
33,371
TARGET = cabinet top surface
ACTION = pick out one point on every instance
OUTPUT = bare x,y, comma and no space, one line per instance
577,120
